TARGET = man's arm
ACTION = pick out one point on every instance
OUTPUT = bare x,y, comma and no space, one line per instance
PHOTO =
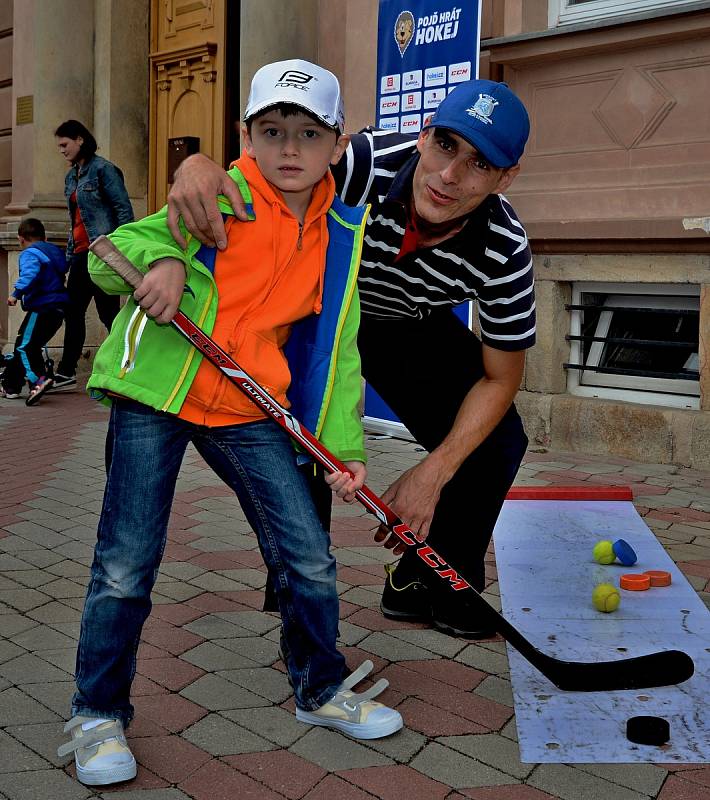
193,197
198,181
415,494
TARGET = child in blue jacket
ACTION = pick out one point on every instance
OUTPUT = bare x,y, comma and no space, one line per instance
40,289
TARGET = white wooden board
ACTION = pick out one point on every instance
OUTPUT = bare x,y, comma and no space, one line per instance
546,574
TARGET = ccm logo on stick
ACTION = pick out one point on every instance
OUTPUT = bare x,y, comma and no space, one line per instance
443,570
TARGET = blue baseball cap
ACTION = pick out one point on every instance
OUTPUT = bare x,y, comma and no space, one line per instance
487,115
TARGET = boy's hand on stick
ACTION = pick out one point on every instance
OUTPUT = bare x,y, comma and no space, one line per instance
161,290
345,484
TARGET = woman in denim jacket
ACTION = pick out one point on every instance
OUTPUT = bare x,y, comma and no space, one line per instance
98,203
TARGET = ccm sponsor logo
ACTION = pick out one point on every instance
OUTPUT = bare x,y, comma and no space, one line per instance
460,72
412,123
389,104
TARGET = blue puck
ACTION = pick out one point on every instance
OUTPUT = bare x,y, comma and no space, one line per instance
624,552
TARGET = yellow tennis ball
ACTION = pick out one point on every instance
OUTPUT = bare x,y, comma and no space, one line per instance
606,597
604,552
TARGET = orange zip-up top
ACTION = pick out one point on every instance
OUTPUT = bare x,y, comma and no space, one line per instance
269,277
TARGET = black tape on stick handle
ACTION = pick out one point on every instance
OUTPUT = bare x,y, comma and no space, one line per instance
107,251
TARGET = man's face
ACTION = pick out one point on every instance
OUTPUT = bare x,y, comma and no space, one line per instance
452,178
294,152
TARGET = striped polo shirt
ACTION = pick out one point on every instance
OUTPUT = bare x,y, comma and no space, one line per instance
488,261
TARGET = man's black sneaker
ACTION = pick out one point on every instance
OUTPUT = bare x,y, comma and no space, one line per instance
63,383
457,617
405,600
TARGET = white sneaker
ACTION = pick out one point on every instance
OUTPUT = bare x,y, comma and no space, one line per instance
100,750
356,714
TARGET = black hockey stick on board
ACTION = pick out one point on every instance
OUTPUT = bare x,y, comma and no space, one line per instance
655,669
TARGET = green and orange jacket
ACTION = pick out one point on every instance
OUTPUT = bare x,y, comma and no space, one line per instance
154,365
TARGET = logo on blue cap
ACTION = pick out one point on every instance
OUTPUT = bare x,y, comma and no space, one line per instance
489,116
483,108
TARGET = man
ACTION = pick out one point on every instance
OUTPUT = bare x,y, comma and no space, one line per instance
440,234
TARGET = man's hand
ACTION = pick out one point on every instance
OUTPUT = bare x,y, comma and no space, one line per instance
12,301
345,484
413,497
193,197
161,290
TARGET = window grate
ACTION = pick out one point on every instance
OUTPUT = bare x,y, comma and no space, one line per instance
635,341
639,342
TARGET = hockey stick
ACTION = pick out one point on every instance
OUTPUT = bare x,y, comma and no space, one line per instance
654,669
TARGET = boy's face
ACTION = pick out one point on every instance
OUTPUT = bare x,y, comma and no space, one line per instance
294,152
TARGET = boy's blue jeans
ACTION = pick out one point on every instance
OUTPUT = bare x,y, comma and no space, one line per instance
144,451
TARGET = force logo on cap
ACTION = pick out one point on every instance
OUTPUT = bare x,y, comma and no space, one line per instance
483,108
294,78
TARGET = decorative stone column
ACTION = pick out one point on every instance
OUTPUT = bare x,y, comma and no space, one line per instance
73,59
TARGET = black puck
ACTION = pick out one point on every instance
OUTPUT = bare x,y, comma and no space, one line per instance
648,730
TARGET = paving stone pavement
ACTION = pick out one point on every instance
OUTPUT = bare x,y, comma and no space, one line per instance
214,709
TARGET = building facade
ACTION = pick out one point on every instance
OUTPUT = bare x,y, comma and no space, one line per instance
614,187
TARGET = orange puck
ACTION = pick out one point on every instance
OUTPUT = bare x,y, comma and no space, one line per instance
635,581
659,577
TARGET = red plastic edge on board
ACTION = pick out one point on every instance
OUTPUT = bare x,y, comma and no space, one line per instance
570,493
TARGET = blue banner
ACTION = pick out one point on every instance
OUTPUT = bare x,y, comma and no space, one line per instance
424,49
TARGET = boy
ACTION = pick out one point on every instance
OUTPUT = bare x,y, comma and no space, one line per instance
40,289
274,273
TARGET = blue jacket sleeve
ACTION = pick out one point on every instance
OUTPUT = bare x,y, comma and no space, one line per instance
30,265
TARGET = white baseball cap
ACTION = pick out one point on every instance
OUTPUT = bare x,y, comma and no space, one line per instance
299,83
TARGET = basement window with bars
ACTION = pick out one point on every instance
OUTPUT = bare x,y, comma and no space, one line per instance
635,342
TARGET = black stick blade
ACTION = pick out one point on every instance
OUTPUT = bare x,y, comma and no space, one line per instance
642,672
